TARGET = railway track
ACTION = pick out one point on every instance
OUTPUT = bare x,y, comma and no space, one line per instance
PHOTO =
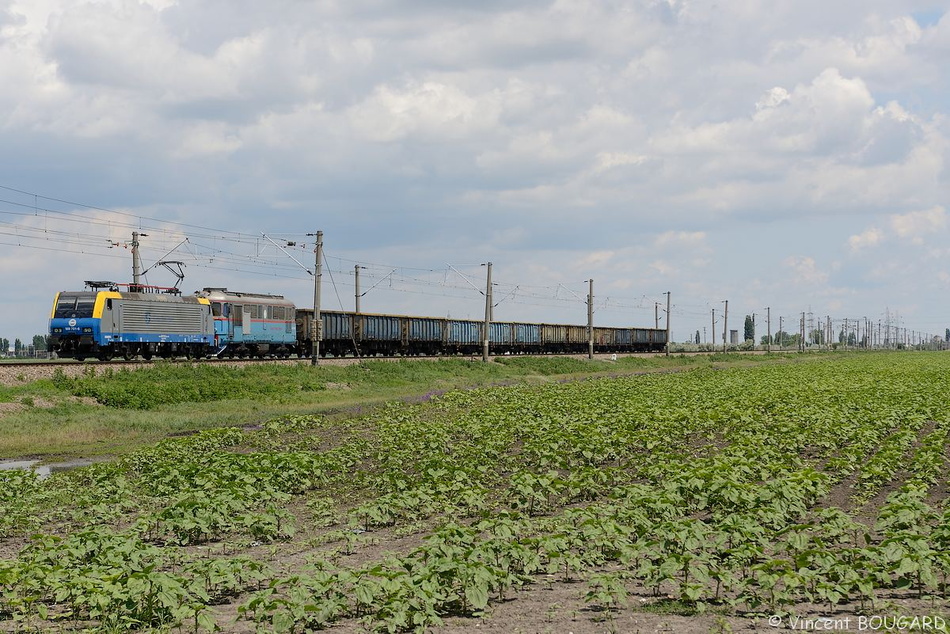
132,362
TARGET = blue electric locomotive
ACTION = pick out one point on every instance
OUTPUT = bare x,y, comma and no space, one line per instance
251,324
142,321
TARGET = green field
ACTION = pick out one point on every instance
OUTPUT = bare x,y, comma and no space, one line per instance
706,499
108,411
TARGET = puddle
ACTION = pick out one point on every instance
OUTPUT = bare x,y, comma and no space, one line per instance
43,470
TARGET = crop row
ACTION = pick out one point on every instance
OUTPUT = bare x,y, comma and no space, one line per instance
711,485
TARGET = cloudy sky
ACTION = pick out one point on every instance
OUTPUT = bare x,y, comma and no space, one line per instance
790,154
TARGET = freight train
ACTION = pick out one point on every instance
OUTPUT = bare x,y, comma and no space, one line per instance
105,322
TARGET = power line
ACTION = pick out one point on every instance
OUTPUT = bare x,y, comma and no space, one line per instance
113,211
78,233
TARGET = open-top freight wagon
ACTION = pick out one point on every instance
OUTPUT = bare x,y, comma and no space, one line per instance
367,334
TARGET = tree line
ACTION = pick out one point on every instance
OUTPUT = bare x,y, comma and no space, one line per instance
21,349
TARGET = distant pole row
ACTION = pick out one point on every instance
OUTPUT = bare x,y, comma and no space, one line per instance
317,336
854,333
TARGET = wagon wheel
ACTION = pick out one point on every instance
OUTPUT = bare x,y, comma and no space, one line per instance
105,355
128,355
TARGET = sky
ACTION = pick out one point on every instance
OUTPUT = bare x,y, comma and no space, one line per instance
790,155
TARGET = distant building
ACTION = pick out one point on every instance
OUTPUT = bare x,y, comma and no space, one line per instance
734,337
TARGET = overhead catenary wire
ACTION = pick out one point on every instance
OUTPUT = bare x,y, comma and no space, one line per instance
214,257
113,211
38,224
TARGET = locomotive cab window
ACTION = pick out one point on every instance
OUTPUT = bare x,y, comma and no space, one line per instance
65,306
216,309
238,315
84,306
73,306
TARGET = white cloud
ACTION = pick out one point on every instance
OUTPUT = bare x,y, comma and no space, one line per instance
916,225
773,98
869,238
596,259
805,271
663,267
208,138
431,109
688,239
608,160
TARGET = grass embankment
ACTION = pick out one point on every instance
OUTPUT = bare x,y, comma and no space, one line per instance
107,411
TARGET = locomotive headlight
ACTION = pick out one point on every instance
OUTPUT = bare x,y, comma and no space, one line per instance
57,330
87,329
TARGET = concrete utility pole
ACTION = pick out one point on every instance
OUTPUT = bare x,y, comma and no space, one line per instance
316,329
801,335
656,314
590,320
725,327
667,323
768,325
356,274
136,262
487,317
713,327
